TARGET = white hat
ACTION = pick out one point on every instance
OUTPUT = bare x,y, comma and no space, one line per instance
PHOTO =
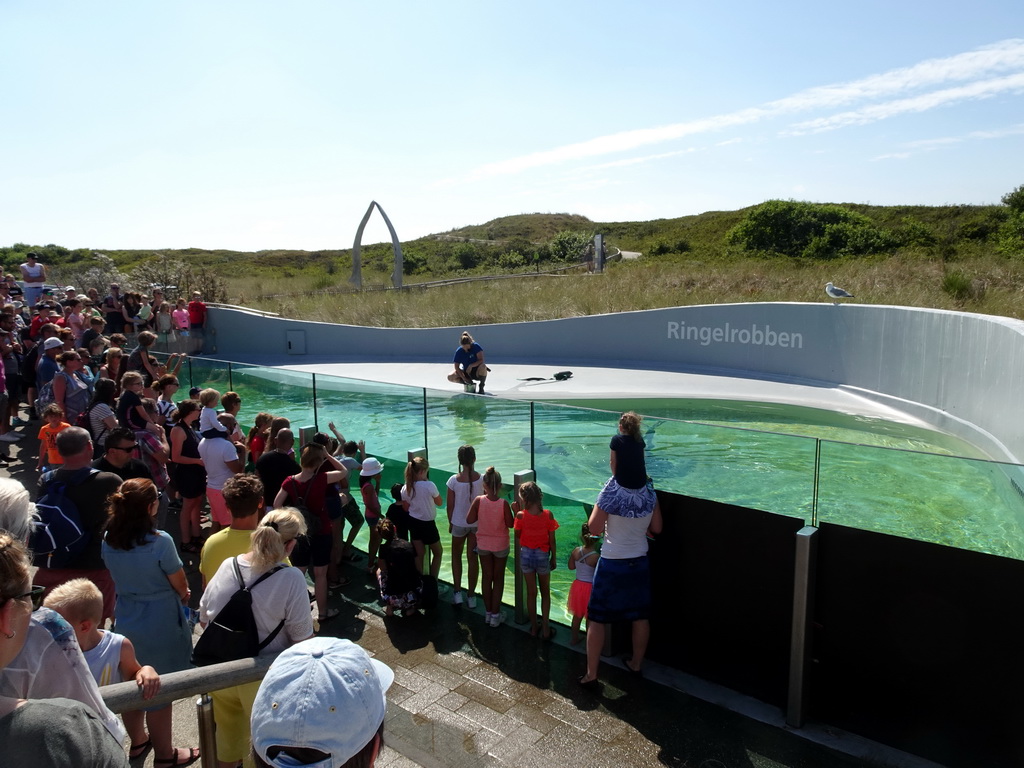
52,342
371,467
324,694
69,288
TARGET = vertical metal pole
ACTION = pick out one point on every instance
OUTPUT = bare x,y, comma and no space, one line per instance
426,443
316,423
533,466
231,385
519,590
817,470
207,739
800,639
191,383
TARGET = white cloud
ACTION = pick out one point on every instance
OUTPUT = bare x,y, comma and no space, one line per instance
1004,56
984,89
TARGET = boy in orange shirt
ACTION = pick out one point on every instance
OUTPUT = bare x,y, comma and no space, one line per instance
49,456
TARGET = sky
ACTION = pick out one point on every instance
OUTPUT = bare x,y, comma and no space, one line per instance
262,125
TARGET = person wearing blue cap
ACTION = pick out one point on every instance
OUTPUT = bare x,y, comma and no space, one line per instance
321,703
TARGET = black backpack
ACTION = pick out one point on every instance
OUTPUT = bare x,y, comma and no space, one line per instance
58,535
232,633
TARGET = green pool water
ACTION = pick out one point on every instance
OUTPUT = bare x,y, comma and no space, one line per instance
807,463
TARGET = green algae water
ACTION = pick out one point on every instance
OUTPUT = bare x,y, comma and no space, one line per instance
807,463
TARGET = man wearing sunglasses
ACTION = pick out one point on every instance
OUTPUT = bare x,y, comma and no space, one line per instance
121,447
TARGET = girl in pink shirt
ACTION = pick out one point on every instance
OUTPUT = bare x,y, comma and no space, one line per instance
493,517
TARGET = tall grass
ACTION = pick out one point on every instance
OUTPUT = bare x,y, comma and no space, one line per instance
902,280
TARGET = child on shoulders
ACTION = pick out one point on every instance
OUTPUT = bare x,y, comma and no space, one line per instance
209,426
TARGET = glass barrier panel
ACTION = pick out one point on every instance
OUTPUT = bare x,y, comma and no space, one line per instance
497,429
204,373
277,391
959,502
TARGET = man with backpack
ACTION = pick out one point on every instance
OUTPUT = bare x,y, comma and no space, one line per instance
75,491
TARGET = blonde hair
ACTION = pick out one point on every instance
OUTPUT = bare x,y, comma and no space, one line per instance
268,541
14,566
77,600
131,377
465,339
492,479
412,471
531,494
209,398
629,423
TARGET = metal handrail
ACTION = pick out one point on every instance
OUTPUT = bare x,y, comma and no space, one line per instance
125,697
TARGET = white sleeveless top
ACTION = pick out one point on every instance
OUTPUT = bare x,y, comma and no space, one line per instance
105,659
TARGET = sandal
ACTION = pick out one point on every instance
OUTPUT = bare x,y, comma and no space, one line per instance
193,755
191,548
344,581
332,613
137,751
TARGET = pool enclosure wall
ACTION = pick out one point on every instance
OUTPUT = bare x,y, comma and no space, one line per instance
962,373
911,644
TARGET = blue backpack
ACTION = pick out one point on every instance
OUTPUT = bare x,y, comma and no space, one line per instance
58,535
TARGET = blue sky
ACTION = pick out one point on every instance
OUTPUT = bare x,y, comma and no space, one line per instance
252,125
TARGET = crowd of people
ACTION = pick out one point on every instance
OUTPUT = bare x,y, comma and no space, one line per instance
122,449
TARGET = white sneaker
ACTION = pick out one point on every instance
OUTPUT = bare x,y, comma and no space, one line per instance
457,598
10,437
471,601
497,619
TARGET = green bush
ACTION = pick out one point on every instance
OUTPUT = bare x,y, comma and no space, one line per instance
957,285
811,230
569,245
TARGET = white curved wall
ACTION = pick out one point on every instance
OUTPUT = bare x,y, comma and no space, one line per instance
961,372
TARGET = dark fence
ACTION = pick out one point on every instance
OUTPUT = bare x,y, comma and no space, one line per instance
723,594
920,646
915,645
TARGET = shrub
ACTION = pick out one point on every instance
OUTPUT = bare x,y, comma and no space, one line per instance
808,229
957,285
1015,200
569,245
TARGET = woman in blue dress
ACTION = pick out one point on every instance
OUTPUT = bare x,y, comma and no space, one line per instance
151,592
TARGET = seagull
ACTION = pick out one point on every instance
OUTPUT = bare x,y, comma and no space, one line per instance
836,293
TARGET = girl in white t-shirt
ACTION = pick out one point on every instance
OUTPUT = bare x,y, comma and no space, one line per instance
462,489
421,499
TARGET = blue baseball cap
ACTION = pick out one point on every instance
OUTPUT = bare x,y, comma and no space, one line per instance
324,694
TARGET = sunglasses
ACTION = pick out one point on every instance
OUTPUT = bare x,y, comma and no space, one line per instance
125,448
36,593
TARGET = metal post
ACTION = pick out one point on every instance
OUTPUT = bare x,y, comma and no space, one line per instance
207,739
426,442
817,470
231,384
800,639
526,475
191,383
316,422
533,438
306,434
